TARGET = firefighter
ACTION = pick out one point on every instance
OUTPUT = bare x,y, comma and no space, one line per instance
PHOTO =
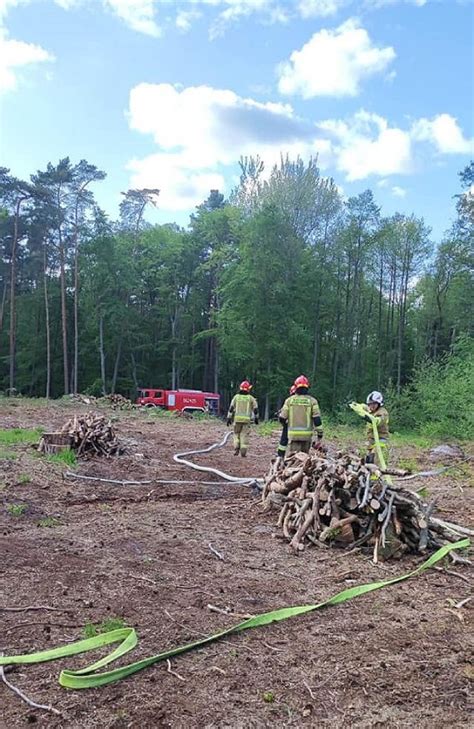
375,407
241,410
302,415
282,445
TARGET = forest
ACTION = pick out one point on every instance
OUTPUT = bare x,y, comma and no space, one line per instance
285,276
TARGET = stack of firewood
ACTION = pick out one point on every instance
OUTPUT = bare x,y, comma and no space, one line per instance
345,501
92,434
117,401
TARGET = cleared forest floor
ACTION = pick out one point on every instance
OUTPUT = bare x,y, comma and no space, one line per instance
399,657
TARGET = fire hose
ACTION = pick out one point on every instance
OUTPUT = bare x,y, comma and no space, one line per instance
249,480
364,413
90,677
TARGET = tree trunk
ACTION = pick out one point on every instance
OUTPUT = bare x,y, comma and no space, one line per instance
134,371
12,296
216,364
173,320
48,331
63,312
102,354
2,305
76,318
379,324
116,366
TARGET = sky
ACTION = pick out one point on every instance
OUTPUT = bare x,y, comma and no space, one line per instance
169,94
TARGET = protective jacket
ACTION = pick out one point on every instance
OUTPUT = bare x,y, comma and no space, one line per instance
242,407
302,414
382,418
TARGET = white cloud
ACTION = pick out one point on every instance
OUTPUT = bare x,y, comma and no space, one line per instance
15,55
200,132
184,19
139,15
320,8
376,4
180,188
234,10
333,63
215,125
444,133
398,191
366,145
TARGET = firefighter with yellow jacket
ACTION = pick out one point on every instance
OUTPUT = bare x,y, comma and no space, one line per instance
301,412
242,409
375,408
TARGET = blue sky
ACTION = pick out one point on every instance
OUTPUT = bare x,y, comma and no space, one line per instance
169,94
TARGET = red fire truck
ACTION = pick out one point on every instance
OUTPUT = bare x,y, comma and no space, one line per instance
185,400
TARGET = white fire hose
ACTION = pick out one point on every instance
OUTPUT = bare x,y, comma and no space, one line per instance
249,481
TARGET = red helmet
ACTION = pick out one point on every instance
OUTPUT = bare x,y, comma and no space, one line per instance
292,390
301,381
245,386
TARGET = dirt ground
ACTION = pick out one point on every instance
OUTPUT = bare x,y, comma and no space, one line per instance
399,657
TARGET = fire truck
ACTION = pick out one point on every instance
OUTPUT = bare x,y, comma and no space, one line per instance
184,400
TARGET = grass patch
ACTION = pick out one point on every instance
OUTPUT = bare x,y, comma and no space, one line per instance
49,522
13,436
67,457
91,629
408,464
268,426
8,455
412,439
157,412
24,478
16,509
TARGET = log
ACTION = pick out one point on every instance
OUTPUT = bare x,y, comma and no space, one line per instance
345,501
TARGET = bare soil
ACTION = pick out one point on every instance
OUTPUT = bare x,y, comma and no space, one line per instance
399,657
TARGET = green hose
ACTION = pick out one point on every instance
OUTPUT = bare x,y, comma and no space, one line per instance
89,677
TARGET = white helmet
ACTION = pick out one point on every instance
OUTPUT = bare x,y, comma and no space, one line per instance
375,396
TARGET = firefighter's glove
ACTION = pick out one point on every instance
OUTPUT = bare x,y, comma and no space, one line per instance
229,421
256,421
358,408
370,458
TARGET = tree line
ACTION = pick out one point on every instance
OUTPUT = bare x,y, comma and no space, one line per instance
285,276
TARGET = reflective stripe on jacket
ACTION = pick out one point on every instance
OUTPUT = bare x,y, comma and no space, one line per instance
242,407
382,418
300,411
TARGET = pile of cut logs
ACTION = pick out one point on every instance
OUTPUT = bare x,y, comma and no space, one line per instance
341,499
92,434
117,401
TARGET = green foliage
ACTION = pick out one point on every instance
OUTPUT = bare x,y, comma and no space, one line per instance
92,629
285,278
66,457
49,522
439,402
268,697
16,509
24,478
20,435
408,464
268,427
